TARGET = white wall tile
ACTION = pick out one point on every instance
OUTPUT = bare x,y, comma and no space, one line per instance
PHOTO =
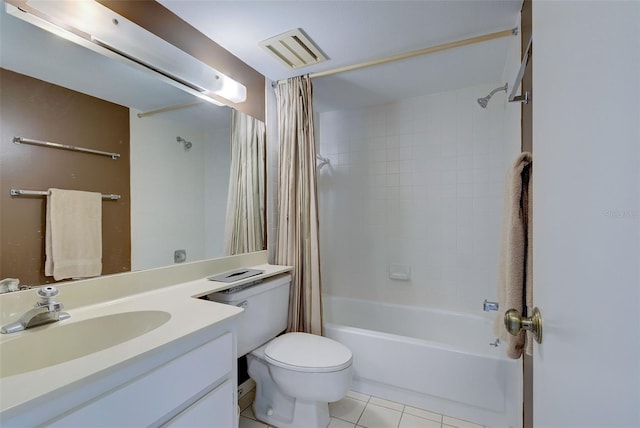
449,162
448,177
420,184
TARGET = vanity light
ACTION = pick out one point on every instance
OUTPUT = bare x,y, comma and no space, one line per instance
94,26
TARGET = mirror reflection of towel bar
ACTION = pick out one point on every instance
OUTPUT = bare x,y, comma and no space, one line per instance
20,192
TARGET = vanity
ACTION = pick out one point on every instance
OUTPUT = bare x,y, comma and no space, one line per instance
140,349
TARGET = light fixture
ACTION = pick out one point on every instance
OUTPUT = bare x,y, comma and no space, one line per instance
94,26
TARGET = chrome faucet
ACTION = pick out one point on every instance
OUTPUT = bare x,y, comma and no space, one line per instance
45,311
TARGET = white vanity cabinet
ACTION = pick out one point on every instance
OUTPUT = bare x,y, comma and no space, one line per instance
216,410
188,383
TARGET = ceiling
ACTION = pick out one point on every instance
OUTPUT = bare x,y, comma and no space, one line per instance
347,32
350,32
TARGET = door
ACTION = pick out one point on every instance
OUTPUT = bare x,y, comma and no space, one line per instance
586,218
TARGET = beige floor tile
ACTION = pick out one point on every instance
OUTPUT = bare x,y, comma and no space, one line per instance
358,396
359,410
248,413
339,423
250,423
246,400
379,417
423,413
386,403
411,421
459,423
347,409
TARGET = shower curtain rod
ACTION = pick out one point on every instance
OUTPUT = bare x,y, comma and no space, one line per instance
411,54
419,52
169,108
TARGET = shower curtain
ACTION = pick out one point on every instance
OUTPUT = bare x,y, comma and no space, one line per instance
244,225
297,236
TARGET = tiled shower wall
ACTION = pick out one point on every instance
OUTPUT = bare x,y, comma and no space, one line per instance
416,183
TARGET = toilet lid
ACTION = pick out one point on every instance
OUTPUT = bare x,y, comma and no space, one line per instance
308,353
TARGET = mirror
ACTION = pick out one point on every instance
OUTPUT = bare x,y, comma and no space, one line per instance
179,159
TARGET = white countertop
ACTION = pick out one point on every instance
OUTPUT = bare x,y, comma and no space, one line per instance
188,315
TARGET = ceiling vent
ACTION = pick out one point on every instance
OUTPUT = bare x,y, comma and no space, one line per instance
294,49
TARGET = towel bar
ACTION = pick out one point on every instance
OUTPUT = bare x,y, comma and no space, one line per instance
22,140
20,192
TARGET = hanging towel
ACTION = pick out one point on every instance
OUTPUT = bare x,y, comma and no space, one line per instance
73,242
514,270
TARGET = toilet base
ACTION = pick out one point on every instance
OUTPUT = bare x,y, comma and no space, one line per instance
274,407
305,415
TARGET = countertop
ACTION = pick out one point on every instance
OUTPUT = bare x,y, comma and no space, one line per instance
189,314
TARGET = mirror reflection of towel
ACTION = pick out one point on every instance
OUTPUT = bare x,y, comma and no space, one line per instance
73,243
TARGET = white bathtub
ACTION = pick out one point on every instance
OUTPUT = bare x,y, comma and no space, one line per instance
436,360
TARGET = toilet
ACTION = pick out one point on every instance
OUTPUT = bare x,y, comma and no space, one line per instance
297,375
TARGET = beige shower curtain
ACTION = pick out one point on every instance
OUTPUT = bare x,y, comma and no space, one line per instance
244,225
297,237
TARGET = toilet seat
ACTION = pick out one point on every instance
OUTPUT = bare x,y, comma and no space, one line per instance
307,353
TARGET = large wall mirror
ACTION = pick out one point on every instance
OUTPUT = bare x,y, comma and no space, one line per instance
179,161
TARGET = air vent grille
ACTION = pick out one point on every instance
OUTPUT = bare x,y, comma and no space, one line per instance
294,49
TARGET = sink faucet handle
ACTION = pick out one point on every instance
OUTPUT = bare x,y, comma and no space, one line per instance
47,298
47,295
51,307
48,291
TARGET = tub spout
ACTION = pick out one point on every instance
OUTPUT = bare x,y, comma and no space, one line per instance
489,306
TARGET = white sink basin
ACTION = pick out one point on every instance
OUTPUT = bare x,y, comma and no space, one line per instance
57,343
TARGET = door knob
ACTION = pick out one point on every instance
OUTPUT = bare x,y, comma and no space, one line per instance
514,322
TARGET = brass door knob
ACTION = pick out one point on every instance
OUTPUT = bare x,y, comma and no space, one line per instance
514,322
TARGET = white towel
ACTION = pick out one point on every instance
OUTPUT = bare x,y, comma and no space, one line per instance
514,274
73,244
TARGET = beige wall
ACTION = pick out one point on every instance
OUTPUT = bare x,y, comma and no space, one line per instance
39,110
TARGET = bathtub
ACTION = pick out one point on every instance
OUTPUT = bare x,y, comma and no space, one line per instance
435,360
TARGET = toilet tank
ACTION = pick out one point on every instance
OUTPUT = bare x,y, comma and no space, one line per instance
266,306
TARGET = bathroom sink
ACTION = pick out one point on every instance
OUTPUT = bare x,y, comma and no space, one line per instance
57,343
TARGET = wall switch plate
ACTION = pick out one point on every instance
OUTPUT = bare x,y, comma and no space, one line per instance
179,256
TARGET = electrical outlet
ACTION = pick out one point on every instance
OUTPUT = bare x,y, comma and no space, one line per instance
179,256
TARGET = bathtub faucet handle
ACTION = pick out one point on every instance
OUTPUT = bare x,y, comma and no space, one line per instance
489,306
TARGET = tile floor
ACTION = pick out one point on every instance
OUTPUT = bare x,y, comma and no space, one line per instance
363,411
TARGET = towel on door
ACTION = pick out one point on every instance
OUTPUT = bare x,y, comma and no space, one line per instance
514,270
73,241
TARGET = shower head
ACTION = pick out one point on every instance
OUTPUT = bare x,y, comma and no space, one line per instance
485,100
187,144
